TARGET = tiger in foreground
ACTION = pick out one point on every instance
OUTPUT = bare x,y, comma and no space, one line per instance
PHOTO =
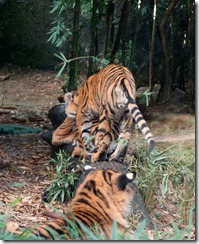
107,97
103,197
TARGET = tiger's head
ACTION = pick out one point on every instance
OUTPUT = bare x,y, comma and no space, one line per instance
109,187
120,98
71,101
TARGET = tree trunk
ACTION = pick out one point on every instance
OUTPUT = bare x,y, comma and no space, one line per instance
93,36
109,19
121,28
123,43
190,53
112,34
166,86
75,46
134,37
151,52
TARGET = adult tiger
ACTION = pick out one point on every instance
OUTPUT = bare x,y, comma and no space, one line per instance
109,98
103,197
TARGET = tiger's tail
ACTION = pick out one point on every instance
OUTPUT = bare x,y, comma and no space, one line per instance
51,230
140,121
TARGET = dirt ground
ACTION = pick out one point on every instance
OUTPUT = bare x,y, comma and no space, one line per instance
26,95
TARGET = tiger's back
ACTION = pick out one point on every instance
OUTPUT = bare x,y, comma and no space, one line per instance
104,196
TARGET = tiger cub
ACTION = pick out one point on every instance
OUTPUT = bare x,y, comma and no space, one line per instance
67,132
103,197
109,98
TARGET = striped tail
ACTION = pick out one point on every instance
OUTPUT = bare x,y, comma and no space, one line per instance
137,116
50,231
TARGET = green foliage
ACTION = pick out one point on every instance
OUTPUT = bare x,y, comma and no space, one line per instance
167,175
3,221
114,231
102,62
151,169
62,186
26,235
146,96
140,233
144,10
181,233
59,33
86,8
60,6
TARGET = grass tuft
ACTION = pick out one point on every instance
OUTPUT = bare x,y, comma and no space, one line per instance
63,185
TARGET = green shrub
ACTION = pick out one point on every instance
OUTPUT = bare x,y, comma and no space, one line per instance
167,177
63,185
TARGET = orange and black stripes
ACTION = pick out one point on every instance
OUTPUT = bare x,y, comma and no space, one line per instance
107,97
104,196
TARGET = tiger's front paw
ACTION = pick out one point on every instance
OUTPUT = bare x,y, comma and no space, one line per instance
98,156
78,152
94,157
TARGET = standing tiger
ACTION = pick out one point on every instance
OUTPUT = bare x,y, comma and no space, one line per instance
103,197
107,97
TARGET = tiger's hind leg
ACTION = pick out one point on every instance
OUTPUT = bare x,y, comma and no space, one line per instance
65,133
84,144
123,139
79,149
87,127
103,138
78,152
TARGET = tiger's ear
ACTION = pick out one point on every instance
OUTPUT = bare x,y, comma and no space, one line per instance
87,168
68,97
124,179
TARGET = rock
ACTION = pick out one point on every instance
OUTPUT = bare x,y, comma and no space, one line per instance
177,97
4,77
32,117
57,115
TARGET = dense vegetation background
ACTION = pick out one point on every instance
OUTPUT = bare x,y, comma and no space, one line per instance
155,39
